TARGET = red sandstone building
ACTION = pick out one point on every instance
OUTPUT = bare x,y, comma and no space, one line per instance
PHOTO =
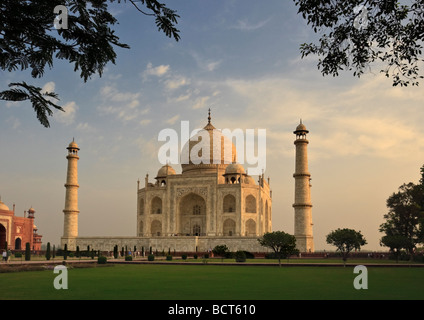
17,231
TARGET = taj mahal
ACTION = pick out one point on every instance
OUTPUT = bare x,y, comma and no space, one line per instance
211,202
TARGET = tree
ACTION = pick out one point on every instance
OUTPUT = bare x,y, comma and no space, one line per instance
48,254
31,38
221,250
346,240
396,243
355,34
65,252
404,225
27,252
283,244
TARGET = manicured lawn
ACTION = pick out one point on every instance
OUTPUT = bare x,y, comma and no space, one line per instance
208,282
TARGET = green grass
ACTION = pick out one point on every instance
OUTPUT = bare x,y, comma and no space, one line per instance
208,282
354,261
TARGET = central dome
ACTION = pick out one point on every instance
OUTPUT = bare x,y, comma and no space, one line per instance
208,150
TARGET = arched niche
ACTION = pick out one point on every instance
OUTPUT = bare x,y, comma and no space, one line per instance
191,215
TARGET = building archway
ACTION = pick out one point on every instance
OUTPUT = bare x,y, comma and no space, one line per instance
2,236
156,228
18,244
250,204
250,228
196,230
140,229
229,203
191,215
141,206
156,207
229,227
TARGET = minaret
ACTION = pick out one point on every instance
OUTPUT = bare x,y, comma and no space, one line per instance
70,225
302,199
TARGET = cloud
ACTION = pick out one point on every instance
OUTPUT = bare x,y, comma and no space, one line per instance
125,105
173,119
244,25
14,122
85,127
68,116
182,97
367,117
200,102
145,122
176,82
111,93
211,66
48,87
158,71
204,63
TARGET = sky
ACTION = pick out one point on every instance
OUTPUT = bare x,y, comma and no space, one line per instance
241,59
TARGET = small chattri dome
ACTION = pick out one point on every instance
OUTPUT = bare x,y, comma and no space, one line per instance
166,170
249,180
73,145
3,206
31,210
234,168
301,128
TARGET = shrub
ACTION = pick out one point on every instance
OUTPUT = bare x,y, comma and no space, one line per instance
249,255
240,256
229,255
195,256
101,260
128,258
168,257
48,254
419,258
27,252
273,255
151,257
184,256
18,254
221,250
115,252
206,256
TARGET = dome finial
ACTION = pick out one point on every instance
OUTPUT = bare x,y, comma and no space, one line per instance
209,116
